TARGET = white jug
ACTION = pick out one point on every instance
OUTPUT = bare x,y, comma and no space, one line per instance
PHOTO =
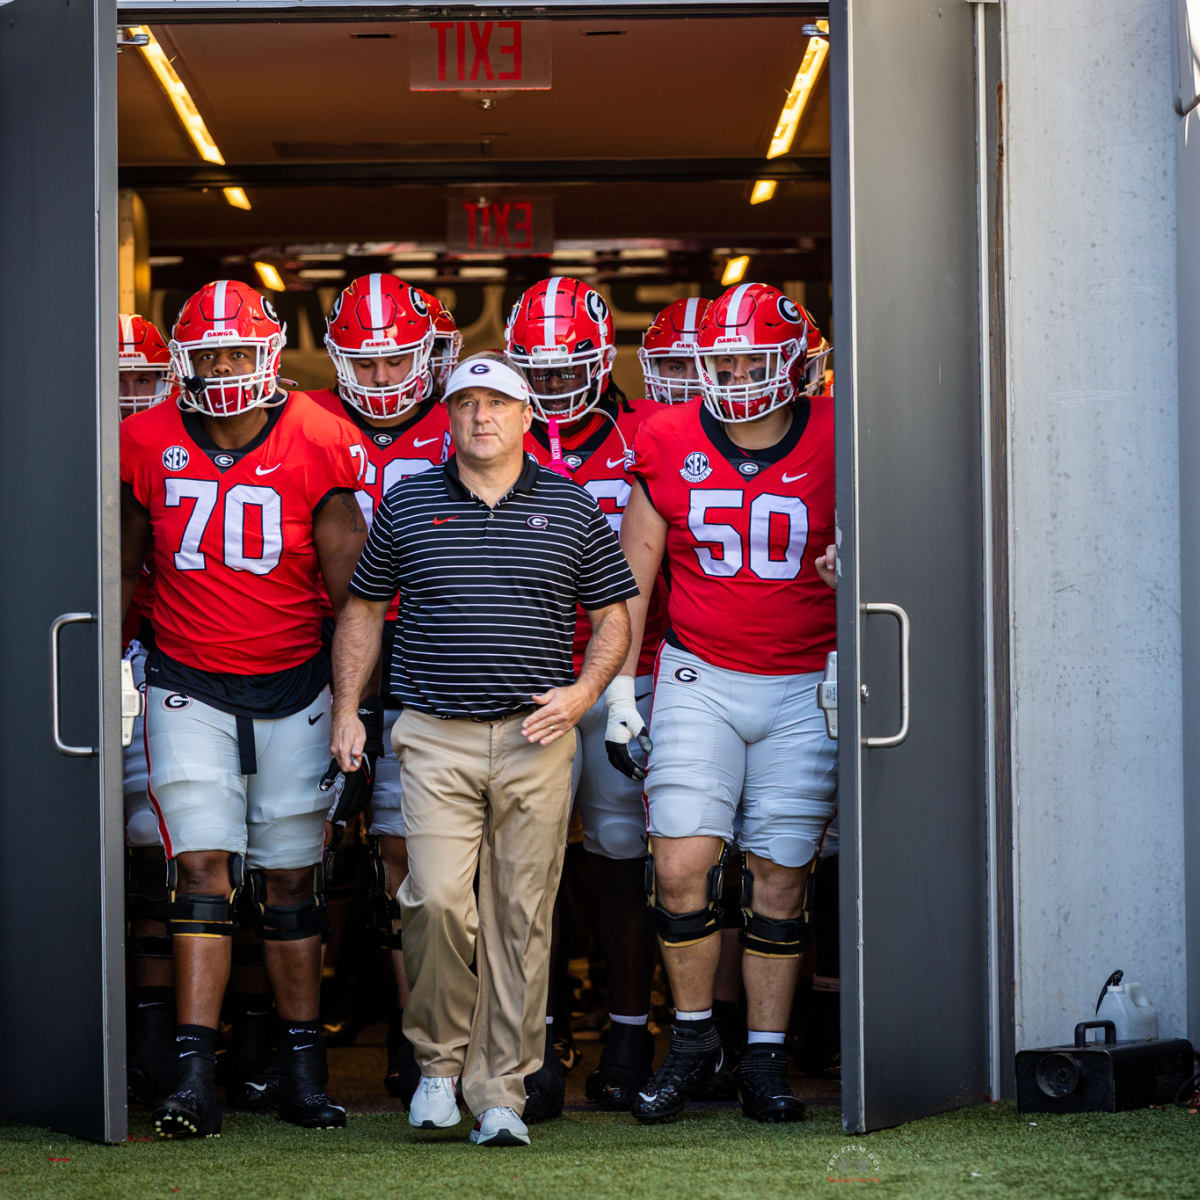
1128,1007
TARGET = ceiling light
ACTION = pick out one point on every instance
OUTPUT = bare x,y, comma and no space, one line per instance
735,270
322,273
482,273
270,276
815,54
315,256
764,189
416,274
165,260
180,98
237,197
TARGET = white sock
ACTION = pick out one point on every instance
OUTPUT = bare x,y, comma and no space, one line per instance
756,1036
622,1019
702,1015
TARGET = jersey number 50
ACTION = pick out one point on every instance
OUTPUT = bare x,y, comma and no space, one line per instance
239,498
733,553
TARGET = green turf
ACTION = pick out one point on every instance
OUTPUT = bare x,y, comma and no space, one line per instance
986,1151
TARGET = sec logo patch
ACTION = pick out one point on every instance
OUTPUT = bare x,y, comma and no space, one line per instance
685,674
696,467
175,458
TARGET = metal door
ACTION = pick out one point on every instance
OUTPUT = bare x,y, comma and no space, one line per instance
62,1020
913,814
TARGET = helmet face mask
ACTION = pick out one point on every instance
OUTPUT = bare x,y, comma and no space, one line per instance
752,347
380,317
561,334
668,352
142,358
225,316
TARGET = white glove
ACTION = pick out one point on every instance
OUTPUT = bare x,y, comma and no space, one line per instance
625,724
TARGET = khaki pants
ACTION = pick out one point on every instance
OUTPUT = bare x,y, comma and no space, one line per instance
477,794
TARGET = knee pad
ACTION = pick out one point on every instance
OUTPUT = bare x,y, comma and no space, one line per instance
769,937
387,907
686,929
192,914
290,922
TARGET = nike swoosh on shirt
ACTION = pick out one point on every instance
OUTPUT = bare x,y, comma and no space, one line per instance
443,520
793,478
616,462
425,441
260,471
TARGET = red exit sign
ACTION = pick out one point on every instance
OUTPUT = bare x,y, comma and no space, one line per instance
508,226
479,56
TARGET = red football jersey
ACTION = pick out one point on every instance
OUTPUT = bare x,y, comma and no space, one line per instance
237,581
393,454
744,528
598,452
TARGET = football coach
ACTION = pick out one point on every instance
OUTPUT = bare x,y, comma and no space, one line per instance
491,553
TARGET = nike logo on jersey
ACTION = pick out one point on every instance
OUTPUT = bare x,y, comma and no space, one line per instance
425,441
616,462
258,1087
443,520
260,471
792,478
314,720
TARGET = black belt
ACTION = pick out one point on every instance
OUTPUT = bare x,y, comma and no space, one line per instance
489,718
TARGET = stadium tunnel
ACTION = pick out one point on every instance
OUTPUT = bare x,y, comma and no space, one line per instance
631,151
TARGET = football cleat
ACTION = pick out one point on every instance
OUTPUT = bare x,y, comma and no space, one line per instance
302,1098
625,1065
693,1061
762,1077
403,1074
546,1088
192,1108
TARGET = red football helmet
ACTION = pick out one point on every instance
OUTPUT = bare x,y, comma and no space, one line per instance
224,314
672,335
751,320
447,343
141,351
380,316
817,358
561,334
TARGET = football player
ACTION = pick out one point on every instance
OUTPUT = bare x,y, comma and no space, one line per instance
668,352
247,495
736,492
381,335
144,365
447,344
561,333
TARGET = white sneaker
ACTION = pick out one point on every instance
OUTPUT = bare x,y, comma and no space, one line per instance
434,1105
500,1127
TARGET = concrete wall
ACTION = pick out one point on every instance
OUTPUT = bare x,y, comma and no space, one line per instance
1187,191
1093,418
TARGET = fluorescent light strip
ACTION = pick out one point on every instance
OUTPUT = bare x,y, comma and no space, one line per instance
815,54
763,190
735,270
180,98
237,198
270,276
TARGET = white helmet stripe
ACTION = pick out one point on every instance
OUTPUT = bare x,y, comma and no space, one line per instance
731,313
219,307
375,302
548,309
689,321
127,332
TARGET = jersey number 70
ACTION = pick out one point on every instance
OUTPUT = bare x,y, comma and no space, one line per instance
238,499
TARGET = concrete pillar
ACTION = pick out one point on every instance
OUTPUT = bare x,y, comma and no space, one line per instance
1093,416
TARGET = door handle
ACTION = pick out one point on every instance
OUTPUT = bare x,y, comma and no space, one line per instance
56,628
893,610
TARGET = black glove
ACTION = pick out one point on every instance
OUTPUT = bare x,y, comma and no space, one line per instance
353,789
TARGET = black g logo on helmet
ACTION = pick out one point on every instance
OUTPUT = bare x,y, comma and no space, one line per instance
269,309
418,302
789,311
596,308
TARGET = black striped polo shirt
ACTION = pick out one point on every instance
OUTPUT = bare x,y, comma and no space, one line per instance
487,595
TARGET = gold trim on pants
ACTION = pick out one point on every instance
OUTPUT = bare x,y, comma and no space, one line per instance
478,794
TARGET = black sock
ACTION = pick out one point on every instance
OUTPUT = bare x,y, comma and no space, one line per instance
295,1036
196,1039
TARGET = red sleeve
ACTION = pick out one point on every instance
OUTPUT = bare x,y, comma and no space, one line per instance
646,459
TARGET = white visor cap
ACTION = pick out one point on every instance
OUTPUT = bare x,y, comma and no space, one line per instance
488,373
